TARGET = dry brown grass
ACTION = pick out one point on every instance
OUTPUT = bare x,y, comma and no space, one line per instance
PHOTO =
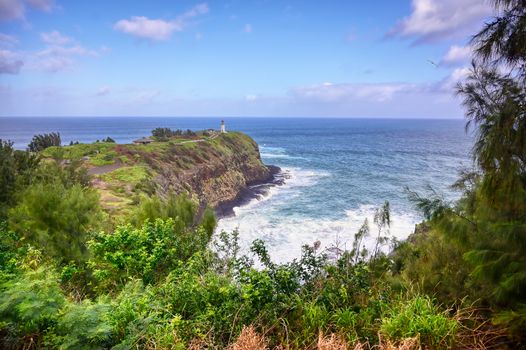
332,342
406,344
336,342
196,344
249,339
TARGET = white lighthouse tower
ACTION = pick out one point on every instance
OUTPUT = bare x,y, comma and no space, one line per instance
223,130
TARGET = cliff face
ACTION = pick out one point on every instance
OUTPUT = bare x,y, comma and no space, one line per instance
214,169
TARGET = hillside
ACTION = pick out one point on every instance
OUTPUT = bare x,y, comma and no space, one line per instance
212,168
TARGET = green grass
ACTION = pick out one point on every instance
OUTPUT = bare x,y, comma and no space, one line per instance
189,145
80,150
419,317
129,174
103,158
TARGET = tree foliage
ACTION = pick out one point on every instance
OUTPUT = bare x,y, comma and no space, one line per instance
478,244
501,41
164,134
57,218
42,141
16,172
180,208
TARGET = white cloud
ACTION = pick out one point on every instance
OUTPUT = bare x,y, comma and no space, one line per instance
59,54
449,83
197,10
251,97
328,92
397,99
55,38
432,20
456,55
7,40
16,9
143,27
11,9
50,64
103,91
247,28
158,29
417,101
75,50
10,63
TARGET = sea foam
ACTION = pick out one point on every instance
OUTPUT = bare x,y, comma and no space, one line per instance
286,232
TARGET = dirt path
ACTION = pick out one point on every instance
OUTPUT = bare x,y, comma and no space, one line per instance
103,169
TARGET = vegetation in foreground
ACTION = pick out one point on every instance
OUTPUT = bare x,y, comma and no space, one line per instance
70,279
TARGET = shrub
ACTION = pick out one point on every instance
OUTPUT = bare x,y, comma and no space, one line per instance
29,305
9,251
149,252
83,326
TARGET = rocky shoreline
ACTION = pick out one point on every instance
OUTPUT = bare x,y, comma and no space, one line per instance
253,190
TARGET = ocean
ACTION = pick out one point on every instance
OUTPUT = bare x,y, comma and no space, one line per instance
338,170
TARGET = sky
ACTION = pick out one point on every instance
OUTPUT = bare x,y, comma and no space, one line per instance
290,58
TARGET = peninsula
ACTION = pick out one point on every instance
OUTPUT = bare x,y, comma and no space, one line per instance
216,169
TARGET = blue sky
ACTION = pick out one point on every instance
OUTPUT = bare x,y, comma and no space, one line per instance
389,58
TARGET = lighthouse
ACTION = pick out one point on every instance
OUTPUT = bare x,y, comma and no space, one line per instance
223,130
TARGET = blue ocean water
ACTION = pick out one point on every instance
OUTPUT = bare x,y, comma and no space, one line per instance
339,170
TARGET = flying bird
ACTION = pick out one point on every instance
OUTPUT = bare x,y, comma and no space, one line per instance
433,63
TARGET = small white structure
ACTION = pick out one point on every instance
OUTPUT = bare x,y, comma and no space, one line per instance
223,130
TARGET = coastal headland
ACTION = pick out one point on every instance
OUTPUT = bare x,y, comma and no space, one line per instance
217,170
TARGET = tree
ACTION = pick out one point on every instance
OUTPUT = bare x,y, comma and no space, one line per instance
382,219
7,176
358,252
56,218
108,139
43,141
501,41
486,228
495,100
180,208
163,134
17,169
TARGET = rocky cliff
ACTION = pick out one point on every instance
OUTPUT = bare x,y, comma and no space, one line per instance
215,172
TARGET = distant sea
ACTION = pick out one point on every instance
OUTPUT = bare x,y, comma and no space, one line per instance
339,170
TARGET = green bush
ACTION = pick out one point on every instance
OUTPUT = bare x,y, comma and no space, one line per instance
82,326
149,252
29,305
